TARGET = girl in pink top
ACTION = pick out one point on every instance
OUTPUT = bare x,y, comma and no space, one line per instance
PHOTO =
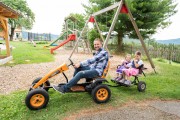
124,64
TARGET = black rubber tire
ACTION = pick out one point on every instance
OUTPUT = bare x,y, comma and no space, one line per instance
47,83
96,90
141,86
40,93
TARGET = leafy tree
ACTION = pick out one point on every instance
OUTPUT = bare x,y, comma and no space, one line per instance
149,15
26,19
79,21
92,35
74,18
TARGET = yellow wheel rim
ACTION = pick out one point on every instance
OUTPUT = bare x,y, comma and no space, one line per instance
37,100
102,94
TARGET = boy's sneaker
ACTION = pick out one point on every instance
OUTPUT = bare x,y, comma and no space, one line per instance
114,79
59,89
122,80
119,78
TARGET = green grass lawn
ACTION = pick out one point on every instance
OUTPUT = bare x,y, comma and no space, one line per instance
164,85
26,53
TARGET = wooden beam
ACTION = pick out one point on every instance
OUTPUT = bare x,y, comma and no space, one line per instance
79,38
101,35
5,8
113,23
1,9
13,16
7,14
3,23
2,17
98,30
106,9
6,39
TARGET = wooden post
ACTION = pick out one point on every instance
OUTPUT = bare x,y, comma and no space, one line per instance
113,24
101,35
4,22
140,37
79,38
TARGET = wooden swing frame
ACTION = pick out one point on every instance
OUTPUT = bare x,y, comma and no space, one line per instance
122,7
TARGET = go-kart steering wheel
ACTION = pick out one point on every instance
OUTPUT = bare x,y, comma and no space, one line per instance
71,62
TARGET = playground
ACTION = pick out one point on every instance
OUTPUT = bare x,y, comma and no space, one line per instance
26,81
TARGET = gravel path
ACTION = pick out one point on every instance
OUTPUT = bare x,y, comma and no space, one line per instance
155,110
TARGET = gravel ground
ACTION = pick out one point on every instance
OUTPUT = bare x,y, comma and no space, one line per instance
155,110
20,77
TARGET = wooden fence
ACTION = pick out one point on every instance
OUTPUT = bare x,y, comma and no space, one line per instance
169,54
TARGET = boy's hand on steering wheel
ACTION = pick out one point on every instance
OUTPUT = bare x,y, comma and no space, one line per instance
77,65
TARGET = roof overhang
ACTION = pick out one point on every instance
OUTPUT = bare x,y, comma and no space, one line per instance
7,11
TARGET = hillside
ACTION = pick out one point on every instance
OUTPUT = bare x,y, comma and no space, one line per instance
170,41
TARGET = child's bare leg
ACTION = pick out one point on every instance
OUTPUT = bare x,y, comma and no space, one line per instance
117,74
123,74
120,75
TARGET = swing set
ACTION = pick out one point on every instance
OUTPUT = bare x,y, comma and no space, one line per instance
122,8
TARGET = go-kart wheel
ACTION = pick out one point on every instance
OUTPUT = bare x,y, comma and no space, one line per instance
37,99
101,93
141,86
47,83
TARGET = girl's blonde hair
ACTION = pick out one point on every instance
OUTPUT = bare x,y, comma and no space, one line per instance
128,55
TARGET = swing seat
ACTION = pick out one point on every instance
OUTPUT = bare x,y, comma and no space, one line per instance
141,71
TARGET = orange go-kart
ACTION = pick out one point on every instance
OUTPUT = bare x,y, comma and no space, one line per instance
38,98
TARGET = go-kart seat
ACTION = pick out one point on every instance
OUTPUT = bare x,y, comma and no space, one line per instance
103,74
105,70
141,68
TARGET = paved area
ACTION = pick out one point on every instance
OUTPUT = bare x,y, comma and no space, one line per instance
154,110
170,107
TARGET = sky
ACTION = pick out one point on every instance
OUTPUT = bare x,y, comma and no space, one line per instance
50,14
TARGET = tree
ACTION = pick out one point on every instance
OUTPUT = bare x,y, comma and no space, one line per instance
149,15
78,19
26,19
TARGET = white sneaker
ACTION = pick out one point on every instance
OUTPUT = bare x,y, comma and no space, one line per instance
122,80
127,82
